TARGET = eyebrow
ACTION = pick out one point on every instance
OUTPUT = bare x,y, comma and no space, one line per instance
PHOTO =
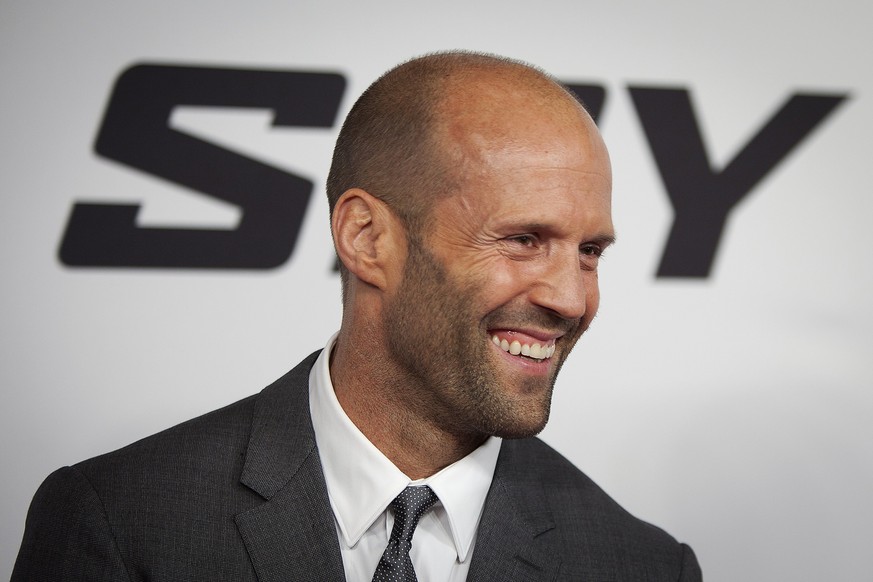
604,239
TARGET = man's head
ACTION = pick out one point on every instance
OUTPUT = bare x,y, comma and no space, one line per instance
470,198
391,144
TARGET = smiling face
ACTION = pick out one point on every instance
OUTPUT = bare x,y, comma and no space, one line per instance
504,282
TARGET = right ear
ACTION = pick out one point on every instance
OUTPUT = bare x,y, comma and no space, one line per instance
367,236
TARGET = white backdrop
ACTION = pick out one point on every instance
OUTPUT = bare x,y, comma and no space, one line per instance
734,410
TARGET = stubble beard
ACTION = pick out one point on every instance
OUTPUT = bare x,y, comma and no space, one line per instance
444,352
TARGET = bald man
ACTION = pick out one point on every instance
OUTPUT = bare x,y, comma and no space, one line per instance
470,204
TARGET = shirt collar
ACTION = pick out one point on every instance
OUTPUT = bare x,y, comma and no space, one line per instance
362,482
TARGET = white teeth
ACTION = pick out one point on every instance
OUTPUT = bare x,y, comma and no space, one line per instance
535,351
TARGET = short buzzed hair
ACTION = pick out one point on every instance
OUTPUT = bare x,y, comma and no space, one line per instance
389,144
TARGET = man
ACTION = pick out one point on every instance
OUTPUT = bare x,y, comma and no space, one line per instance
470,203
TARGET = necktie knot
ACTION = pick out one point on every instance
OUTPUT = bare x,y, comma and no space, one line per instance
395,564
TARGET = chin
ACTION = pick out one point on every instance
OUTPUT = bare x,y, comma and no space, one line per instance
520,431
520,424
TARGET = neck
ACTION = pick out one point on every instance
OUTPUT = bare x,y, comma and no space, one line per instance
386,407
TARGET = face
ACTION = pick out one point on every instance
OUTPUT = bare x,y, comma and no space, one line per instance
496,293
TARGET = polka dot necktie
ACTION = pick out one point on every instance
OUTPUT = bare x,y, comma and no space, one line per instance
395,564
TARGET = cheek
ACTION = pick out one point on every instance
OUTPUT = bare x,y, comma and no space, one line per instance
505,280
484,269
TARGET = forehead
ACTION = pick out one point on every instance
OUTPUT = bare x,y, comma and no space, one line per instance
524,151
499,116
506,200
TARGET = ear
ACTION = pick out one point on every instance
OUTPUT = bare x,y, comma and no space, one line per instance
368,237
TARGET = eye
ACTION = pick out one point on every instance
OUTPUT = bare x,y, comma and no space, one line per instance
525,240
591,250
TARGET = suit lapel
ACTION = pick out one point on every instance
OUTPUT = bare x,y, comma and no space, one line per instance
291,536
513,542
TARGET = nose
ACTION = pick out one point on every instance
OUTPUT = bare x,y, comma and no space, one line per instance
563,286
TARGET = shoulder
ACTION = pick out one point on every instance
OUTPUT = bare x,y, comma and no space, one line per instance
588,522
537,465
164,503
136,509
210,440
207,446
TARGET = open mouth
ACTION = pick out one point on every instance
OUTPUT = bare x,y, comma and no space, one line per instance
535,351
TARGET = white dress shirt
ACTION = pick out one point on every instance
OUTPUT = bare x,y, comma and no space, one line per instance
362,482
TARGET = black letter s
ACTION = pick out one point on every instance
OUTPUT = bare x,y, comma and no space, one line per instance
135,132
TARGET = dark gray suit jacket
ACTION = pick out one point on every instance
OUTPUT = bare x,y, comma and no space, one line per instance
239,494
